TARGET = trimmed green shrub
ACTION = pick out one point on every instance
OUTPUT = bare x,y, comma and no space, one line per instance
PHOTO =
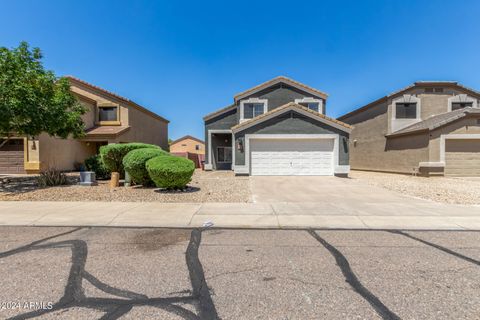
95,164
134,163
112,154
170,172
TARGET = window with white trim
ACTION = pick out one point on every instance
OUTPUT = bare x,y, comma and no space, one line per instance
311,105
252,110
252,107
224,154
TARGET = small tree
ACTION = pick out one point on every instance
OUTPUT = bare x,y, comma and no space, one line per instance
33,100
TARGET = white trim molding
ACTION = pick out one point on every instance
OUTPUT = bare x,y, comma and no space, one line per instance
321,108
252,100
459,136
339,169
398,124
209,165
462,98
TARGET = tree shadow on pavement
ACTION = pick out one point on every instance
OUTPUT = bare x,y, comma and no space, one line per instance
115,308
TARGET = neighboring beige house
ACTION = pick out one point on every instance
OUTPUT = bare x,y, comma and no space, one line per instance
429,128
188,144
110,119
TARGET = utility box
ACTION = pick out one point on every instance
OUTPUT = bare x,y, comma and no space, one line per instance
87,178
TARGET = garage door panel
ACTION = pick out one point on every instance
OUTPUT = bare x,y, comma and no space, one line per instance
291,157
462,157
12,157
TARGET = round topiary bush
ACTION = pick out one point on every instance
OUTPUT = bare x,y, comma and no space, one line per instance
170,172
134,163
112,154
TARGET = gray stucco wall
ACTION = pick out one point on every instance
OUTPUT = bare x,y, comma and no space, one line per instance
281,94
293,123
224,121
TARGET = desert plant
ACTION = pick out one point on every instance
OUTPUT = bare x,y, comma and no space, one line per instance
95,164
51,177
134,163
170,172
112,154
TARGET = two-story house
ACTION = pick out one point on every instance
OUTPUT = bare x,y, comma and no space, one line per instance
429,128
110,119
277,128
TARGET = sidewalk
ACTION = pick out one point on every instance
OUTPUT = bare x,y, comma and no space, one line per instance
429,216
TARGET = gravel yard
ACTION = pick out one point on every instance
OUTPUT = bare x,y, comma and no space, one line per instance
439,189
211,186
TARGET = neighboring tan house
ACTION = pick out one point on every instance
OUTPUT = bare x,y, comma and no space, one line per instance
187,144
110,119
277,128
429,128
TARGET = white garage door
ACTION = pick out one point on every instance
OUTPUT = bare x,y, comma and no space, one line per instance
291,157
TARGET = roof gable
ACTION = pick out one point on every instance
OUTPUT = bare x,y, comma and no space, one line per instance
296,107
418,84
185,138
115,96
277,80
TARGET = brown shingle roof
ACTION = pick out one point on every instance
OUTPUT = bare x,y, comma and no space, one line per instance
106,131
293,106
132,103
435,121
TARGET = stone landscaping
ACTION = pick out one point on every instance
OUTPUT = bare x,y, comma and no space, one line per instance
439,189
219,186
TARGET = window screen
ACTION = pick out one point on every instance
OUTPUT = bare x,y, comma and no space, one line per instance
406,110
107,114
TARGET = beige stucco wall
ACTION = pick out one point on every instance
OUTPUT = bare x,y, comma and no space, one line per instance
373,151
145,128
463,126
64,153
370,149
187,145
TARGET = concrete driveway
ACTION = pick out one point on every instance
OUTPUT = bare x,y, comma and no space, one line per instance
319,189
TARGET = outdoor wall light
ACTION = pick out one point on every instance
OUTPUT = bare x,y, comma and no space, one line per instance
240,145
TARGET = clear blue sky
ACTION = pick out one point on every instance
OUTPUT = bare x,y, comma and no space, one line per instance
185,59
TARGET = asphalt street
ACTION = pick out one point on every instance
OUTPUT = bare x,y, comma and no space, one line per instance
154,273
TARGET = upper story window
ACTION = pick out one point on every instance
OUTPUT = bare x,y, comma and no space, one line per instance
108,114
197,147
311,103
461,101
461,105
406,110
252,108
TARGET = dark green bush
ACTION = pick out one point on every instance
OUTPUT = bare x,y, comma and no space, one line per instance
112,154
95,164
51,177
170,172
134,163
